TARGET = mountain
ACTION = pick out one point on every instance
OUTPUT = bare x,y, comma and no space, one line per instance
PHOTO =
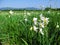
32,8
10,8
7,8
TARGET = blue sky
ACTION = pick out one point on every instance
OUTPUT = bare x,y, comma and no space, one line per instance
29,3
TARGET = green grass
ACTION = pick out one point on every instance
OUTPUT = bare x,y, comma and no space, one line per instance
15,31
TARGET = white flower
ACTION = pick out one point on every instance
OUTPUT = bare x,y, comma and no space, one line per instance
41,25
40,30
35,28
57,26
11,12
42,17
26,19
46,20
35,20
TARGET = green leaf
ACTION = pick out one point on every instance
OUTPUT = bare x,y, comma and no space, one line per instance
24,41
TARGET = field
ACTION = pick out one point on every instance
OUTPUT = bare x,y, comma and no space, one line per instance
30,27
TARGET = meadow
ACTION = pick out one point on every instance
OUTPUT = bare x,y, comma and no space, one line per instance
30,27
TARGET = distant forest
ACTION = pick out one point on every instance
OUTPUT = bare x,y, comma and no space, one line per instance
55,9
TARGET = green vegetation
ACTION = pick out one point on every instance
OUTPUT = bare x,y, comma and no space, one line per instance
15,28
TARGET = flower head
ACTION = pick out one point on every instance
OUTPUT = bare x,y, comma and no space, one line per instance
41,25
26,19
40,30
35,28
35,20
31,28
57,26
11,12
44,19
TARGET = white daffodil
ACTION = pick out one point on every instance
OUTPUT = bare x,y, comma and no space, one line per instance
42,17
40,30
35,28
11,12
35,20
26,19
46,20
41,25
57,26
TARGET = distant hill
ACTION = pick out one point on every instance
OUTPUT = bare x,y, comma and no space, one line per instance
31,8
28,8
7,8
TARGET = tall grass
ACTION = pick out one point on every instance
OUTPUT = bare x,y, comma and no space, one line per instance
14,30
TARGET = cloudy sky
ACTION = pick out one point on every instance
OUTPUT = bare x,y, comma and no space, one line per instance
29,3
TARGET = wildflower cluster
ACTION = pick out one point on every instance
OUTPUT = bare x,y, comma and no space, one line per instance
41,24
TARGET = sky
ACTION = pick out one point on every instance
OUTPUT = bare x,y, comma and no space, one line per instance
29,3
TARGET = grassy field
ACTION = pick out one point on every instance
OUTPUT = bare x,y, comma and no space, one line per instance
19,28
